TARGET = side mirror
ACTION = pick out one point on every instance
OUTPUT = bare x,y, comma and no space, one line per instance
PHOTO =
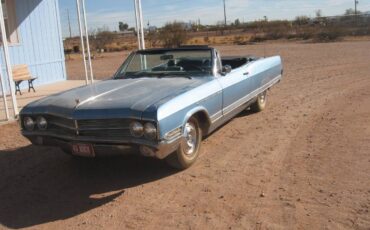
226,70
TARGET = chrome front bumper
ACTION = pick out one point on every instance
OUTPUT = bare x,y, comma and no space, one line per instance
105,147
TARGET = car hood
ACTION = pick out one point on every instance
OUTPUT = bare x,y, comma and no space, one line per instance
114,98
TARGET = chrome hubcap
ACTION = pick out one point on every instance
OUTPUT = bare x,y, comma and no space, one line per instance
263,98
190,135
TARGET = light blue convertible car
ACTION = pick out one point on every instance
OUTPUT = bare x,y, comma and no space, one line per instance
160,102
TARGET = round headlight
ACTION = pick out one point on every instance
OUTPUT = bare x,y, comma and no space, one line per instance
42,124
28,123
150,131
136,129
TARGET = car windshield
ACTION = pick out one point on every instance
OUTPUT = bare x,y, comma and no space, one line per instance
166,63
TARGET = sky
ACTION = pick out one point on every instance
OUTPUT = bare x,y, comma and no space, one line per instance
107,13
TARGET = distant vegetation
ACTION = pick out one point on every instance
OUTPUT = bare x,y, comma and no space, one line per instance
317,29
173,34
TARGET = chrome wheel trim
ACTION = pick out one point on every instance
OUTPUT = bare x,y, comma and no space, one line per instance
190,139
262,98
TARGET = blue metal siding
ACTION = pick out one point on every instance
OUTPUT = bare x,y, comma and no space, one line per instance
40,41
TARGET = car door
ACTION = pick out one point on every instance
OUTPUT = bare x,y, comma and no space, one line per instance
237,88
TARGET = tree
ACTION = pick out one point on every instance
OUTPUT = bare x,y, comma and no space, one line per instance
302,20
351,12
122,26
173,34
318,13
237,22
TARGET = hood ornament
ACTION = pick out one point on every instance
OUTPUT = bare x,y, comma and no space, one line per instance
77,102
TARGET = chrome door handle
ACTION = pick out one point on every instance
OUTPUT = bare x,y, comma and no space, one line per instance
246,73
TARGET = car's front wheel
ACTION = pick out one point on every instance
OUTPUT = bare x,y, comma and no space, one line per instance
188,150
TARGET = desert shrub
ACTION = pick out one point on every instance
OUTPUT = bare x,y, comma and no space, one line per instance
274,35
291,36
173,34
113,47
257,38
206,39
361,32
153,38
76,49
101,38
68,51
239,40
329,35
306,35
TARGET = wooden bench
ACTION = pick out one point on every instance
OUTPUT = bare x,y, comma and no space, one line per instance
22,73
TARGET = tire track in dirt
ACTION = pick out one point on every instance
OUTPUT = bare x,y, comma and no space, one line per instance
342,88
323,149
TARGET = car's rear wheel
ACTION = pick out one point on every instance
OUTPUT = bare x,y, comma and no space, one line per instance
260,103
188,150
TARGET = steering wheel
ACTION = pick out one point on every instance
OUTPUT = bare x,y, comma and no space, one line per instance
195,67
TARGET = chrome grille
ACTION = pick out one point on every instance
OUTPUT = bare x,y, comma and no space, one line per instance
61,122
61,130
113,133
106,128
106,124
61,126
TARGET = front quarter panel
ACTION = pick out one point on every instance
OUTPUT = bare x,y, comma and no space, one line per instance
206,98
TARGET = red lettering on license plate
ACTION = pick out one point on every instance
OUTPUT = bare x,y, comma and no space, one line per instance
83,150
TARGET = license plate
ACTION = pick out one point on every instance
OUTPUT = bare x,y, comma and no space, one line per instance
83,150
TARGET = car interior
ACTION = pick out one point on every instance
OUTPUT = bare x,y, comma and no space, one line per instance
185,64
236,62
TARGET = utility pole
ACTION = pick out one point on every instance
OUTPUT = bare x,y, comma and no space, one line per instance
69,25
225,13
356,3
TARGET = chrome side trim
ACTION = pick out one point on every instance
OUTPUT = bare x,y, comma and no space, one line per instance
173,134
216,116
251,95
246,98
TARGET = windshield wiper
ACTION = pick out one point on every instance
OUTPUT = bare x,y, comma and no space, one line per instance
171,74
153,74
133,75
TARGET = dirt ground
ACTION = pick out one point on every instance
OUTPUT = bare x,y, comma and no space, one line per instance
303,163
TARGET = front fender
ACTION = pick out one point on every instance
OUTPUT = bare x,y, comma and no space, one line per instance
177,120
197,109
